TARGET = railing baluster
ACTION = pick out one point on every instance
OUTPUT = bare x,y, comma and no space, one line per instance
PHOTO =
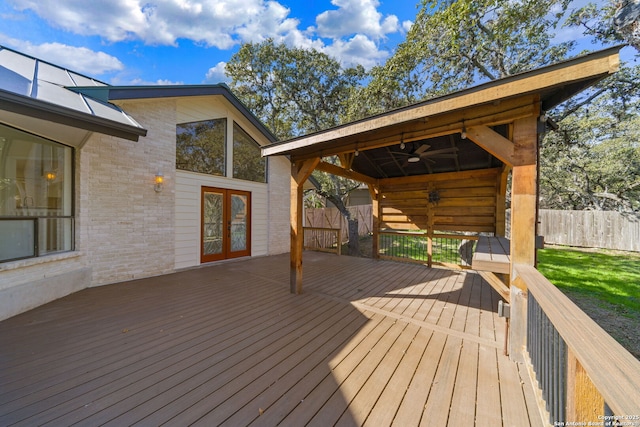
548,355
414,246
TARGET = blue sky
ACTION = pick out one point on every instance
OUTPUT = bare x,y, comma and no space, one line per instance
127,42
146,42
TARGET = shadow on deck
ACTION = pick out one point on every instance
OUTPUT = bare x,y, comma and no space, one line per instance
368,343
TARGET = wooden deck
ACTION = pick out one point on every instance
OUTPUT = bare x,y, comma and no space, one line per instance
368,343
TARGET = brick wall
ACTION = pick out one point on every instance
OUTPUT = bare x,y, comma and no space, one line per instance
125,227
279,202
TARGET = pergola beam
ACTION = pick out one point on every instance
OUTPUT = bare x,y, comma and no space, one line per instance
492,142
337,170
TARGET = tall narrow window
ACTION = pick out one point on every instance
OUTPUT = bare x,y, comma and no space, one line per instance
36,196
200,146
248,162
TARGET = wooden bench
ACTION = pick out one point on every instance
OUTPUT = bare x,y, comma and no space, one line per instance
491,257
492,254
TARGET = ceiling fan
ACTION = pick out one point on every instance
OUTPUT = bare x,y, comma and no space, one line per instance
422,152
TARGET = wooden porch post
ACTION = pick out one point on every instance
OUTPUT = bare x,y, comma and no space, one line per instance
374,191
523,221
300,171
501,190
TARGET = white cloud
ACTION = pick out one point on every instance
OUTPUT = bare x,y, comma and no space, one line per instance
358,50
216,74
78,59
216,23
160,82
354,29
356,17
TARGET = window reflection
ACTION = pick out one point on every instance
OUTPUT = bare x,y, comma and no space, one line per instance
36,195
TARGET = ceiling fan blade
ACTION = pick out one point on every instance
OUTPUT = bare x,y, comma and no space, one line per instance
421,149
441,156
441,151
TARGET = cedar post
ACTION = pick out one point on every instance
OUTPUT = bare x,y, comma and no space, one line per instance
374,191
501,191
300,171
584,402
523,222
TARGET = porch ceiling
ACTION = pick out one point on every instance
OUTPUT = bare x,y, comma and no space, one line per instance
434,131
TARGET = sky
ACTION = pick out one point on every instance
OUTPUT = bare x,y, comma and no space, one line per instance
146,42
149,42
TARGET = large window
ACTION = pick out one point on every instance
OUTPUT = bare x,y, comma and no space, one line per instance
201,146
36,196
248,162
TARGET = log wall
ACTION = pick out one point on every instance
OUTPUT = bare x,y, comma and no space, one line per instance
462,201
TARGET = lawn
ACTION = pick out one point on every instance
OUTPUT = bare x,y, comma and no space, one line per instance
604,284
612,278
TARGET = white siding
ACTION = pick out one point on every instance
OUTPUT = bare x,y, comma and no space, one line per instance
269,218
188,222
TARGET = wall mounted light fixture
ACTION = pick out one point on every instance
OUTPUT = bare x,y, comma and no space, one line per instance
159,182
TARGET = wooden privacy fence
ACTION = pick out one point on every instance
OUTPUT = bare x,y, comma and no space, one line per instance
332,218
590,229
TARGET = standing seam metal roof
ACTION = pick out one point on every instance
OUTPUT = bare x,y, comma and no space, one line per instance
49,85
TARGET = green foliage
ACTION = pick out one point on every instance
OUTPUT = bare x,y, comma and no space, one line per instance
296,92
454,44
613,279
611,22
293,91
593,160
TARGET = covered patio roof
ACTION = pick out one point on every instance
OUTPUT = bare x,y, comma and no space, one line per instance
461,131
443,164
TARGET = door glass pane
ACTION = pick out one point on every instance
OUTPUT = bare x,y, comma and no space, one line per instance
212,233
238,222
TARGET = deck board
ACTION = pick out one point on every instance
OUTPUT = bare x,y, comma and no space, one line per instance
367,343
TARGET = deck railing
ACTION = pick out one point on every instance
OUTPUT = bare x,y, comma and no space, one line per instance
323,239
584,374
419,246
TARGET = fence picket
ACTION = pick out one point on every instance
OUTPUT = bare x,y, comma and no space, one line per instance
590,229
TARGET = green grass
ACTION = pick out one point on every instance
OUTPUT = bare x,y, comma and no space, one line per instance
611,278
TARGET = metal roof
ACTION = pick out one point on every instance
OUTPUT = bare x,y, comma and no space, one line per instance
108,93
35,88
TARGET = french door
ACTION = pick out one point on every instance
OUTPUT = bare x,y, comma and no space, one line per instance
226,224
